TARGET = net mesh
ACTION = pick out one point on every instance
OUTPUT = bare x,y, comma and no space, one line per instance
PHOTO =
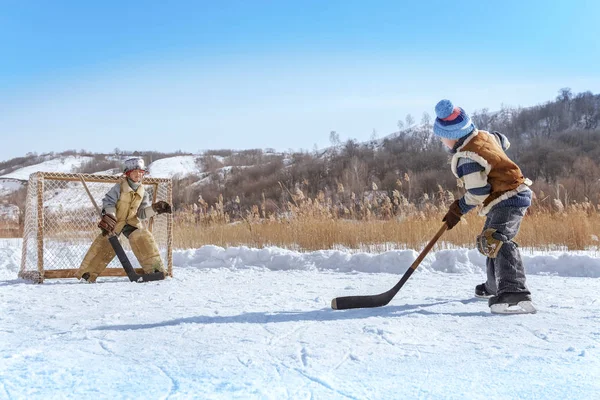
61,221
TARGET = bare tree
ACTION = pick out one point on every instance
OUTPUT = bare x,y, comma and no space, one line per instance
586,105
374,135
587,171
564,95
482,119
334,138
426,119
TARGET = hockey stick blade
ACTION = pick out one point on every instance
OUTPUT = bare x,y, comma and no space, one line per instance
379,300
376,300
129,270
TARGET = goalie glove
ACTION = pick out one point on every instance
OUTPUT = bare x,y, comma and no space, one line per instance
107,223
161,207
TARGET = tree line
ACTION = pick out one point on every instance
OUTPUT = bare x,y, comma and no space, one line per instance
556,144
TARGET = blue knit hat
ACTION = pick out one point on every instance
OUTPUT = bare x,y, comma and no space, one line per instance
451,122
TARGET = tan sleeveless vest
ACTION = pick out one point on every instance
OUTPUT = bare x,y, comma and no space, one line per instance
127,206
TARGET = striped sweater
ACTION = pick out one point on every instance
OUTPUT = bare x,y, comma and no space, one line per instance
488,175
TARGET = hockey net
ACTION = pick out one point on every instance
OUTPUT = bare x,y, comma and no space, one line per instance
61,223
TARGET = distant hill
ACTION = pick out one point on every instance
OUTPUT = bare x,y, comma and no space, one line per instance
55,164
198,168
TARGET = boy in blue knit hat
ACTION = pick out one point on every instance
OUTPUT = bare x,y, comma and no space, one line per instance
495,182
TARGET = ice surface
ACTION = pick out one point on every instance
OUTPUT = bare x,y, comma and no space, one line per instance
256,324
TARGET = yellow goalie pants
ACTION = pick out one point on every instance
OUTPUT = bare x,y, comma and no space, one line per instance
101,254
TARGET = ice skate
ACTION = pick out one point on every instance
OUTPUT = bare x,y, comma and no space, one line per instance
512,303
481,292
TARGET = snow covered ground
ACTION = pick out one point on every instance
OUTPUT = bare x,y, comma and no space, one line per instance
177,166
60,164
256,324
8,186
9,214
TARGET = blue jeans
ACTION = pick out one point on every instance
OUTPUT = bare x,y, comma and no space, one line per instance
505,273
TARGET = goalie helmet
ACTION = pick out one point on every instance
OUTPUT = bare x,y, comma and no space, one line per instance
132,164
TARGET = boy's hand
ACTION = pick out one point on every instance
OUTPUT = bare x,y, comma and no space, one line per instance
453,215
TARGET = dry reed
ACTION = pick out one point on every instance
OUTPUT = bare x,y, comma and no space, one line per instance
376,222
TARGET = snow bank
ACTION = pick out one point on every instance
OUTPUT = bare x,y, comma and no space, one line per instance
456,261
582,264
563,264
10,258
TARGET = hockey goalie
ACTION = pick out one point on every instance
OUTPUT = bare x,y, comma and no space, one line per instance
123,208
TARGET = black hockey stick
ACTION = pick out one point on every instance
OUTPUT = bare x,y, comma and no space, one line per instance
129,270
116,245
379,300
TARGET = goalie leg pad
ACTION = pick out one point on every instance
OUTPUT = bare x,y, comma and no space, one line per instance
146,251
97,258
488,243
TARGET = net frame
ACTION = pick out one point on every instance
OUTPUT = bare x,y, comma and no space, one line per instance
61,223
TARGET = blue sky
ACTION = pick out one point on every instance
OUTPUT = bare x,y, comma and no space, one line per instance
196,75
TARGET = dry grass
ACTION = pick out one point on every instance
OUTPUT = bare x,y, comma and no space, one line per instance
377,223
10,230
573,231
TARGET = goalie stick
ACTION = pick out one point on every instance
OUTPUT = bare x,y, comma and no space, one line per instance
118,248
129,270
379,300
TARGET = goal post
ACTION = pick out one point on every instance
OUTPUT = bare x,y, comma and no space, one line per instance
61,223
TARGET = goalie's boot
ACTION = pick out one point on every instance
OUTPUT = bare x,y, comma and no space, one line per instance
89,278
482,292
511,303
